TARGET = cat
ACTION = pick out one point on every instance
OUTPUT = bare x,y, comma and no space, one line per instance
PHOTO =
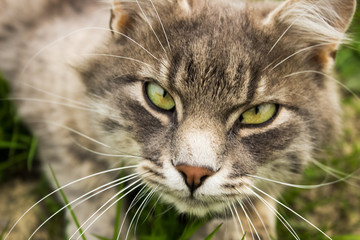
198,100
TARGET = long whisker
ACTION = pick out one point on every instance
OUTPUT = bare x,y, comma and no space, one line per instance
301,186
334,172
58,189
133,203
277,214
328,76
105,186
234,219
145,203
297,52
116,56
53,94
148,21
76,132
162,26
251,225
132,220
153,207
116,195
294,212
138,211
239,220
258,215
281,36
122,190
50,102
108,154
75,32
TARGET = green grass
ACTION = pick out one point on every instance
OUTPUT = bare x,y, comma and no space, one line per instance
334,209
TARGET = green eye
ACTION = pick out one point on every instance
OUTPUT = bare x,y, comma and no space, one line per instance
159,97
259,114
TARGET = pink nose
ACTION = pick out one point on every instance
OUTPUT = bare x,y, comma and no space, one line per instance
194,176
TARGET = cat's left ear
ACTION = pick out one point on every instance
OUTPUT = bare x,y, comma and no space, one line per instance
314,21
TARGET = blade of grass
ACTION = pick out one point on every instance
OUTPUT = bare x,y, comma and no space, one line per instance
101,238
31,154
190,229
211,235
9,145
14,137
69,207
348,237
4,230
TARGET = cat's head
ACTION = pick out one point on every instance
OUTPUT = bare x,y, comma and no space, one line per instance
210,92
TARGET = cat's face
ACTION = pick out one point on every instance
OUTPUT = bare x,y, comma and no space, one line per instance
221,92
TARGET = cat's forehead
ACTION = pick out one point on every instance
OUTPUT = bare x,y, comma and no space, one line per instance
215,59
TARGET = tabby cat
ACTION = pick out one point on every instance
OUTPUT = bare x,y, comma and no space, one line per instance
199,101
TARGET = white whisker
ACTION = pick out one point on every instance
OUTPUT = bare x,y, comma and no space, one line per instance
238,217
145,203
251,225
75,32
133,218
153,207
54,95
58,189
281,36
135,200
300,186
138,211
329,77
162,26
294,212
76,132
116,56
106,203
148,21
105,186
234,219
334,172
50,102
297,52
283,221
108,154
258,215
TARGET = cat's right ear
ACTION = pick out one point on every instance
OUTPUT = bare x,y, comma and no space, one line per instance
121,19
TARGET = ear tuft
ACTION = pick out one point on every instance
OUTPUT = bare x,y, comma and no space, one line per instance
323,21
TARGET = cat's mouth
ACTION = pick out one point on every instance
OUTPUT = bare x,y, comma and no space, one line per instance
199,206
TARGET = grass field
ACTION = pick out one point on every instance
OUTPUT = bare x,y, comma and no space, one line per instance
335,208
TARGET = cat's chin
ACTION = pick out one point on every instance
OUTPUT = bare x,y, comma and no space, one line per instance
196,207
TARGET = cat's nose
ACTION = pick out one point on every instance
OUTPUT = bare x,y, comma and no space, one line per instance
194,176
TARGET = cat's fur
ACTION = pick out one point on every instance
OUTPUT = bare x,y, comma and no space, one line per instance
216,58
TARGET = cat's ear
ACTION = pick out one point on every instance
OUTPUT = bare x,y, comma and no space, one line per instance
121,18
319,21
